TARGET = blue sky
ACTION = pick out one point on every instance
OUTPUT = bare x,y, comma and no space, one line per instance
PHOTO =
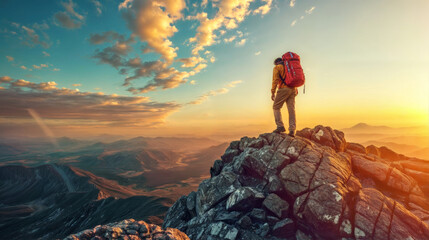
352,54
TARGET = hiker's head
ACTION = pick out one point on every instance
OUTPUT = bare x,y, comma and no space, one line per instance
278,61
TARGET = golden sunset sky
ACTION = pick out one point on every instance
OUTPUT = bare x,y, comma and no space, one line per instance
204,68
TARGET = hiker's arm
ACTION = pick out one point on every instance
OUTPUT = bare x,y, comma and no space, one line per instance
275,80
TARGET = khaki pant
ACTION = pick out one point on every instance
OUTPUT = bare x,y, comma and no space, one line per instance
285,95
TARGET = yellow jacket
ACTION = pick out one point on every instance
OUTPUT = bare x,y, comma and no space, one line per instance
278,70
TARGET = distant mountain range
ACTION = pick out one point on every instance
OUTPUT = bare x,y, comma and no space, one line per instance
136,163
52,201
411,141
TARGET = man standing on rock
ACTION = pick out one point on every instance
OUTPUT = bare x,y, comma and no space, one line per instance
284,94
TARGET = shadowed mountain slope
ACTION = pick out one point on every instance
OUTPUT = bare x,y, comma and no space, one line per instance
52,201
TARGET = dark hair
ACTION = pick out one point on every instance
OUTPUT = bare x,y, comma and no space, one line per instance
278,61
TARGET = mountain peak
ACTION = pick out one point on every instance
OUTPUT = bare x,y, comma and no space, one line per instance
315,185
359,125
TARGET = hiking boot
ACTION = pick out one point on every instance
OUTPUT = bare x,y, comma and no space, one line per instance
279,130
292,133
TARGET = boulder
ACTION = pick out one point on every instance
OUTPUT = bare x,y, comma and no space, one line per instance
356,147
244,199
325,136
388,154
277,206
212,191
284,229
371,149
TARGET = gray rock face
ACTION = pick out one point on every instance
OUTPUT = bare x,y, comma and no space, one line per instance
244,198
313,186
129,229
276,205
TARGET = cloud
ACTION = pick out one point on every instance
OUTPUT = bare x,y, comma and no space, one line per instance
191,61
229,15
264,9
115,54
292,3
158,74
66,21
5,79
241,42
98,6
213,93
25,68
212,59
293,23
310,11
55,69
76,85
69,19
31,38
75,107
38,67
153,22
46,54
125,4
70,9
41,26
200,67
192,82
165,78
257,53
232,38
10,59
233,83
108,36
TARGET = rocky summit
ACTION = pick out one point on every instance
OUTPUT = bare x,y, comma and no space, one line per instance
129,229
312,186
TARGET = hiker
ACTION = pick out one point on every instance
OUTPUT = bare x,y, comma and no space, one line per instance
287,75
284,94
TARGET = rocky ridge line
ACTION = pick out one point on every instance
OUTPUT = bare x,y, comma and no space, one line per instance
313,186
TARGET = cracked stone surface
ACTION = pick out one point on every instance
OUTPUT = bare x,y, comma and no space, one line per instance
129,229
313,186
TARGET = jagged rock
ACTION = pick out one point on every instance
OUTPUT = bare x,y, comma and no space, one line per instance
214,190
129,229
386,153
276,205
221,231
325,136
274,184
302,236
272,220
191,202
371,149
356,147
245,222
228,217
181,213
327,189
217,168
257,214
263,230
376,170
229,154
285,228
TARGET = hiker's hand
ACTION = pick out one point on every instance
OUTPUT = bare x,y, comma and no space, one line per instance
273,96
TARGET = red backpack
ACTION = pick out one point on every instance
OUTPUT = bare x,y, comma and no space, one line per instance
294,73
